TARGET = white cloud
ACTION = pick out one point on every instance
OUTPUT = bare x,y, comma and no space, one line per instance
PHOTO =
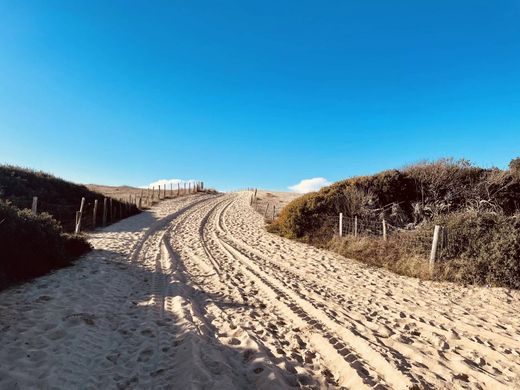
309,185
162,182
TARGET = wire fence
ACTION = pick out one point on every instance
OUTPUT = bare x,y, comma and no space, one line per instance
101,211
420,240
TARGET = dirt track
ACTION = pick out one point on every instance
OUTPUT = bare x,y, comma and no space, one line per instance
195,294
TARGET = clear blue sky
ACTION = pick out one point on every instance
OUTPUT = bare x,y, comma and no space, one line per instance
264,93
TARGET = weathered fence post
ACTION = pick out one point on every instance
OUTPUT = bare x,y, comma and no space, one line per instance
164,192
105,211
266,208
34,208
384,229
274,210
78,216
341,224
355,226
94,213
111,210
171,190
435,243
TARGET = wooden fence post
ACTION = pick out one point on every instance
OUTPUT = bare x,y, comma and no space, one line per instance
341,224
384,229
34,207
266,208
164,191
274,210
105,211
94,213
355,226
78,216
435,243
111,210
171,190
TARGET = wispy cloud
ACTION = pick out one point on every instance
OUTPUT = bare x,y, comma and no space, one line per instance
174,182
309,185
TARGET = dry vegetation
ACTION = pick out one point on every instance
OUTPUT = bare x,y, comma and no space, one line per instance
478,207
266,200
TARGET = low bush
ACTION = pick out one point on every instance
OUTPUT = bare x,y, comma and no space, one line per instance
32,245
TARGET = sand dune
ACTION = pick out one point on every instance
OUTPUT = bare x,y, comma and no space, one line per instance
195,294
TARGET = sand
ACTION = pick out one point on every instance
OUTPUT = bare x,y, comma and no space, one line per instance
195,294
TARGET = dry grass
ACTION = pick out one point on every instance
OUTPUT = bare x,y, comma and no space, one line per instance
396,254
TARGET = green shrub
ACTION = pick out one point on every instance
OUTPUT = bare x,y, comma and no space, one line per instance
481,248
58,197
32,245
477,206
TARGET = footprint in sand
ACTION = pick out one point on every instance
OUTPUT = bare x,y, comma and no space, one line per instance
145,355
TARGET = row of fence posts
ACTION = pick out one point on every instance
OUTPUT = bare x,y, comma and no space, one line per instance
355,225
435,239
188,188
132,200
253,202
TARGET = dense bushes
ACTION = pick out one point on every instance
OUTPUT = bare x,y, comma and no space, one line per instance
31,245
409,196
477,206
481,248
58,197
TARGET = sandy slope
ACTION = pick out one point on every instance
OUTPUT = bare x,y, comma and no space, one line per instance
195,294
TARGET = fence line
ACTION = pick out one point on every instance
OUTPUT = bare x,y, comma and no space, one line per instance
433,245
88,211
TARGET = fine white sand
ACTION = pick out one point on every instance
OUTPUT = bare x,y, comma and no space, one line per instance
195,294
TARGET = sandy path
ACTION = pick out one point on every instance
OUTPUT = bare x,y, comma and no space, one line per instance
195,294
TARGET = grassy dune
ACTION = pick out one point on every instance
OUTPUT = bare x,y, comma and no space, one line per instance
479,209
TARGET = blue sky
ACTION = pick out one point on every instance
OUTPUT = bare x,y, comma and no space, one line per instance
255,93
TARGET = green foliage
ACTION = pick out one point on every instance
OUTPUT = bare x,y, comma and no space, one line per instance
58,197
412,195
32,245
479,208
481,248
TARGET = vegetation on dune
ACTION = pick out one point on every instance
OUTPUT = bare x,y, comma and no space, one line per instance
479,209
32,245
56,196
